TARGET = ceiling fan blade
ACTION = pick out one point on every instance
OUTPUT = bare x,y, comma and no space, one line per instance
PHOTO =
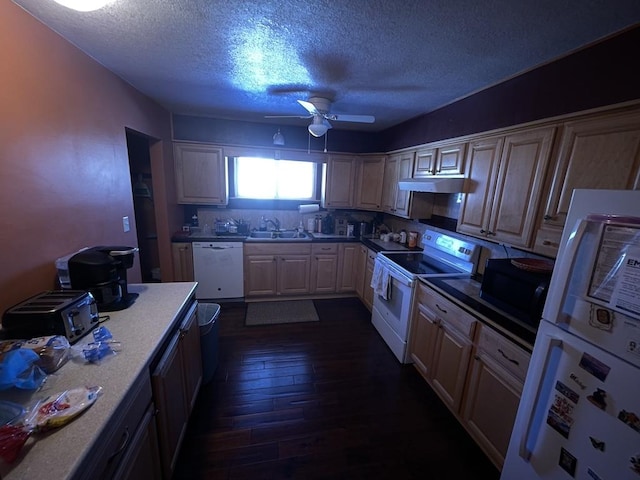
309,107
351,118
288,116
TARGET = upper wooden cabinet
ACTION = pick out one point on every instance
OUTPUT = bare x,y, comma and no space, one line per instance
398,202
440,160
369,182
601,153
201,174
505,180
339,182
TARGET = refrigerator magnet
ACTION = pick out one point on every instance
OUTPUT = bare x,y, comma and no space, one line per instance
594,366
597,444
567,392
634,463
577,380
567,462
601,318
598,398
559,416
630,419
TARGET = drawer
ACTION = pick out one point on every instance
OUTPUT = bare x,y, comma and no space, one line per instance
504,351
324,248
446,310
107,454
547,242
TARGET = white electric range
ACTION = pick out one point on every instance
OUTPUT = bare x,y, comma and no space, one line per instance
395,276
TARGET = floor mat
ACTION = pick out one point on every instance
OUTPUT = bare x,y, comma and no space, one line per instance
291,311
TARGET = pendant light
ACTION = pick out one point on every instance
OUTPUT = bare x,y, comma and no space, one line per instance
278,138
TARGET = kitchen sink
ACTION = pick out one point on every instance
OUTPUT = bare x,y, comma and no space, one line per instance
279,235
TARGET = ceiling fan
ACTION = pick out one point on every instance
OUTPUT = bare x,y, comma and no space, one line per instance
319,108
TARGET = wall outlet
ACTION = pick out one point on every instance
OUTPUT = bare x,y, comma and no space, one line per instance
125,224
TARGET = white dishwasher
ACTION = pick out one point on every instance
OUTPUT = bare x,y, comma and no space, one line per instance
218,269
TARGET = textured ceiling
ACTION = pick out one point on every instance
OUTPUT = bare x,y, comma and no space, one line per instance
244,59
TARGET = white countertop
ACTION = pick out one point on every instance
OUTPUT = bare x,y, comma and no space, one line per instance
141,328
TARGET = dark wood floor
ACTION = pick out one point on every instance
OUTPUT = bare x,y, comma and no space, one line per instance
321,400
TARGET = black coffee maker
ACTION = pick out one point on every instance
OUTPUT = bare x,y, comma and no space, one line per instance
103,272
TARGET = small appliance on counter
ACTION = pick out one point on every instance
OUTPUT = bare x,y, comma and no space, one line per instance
103,272
72,313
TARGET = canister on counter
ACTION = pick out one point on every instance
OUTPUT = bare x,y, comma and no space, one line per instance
413,239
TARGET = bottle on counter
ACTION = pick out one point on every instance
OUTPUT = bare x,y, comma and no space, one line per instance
413,239
403,237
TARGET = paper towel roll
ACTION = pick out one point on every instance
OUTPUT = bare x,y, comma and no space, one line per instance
308,208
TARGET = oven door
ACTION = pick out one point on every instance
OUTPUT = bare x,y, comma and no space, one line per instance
391,316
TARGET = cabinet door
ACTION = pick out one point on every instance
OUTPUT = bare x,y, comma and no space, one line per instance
368,290
340,182
425,165
182,256
423,339
370,181
171,402
481,172
450,365
390,184
491,405
142,457
201,174
361,269
602,153
294,272
324,271
523,165
450,159
260,275
191,358
347,267
403,197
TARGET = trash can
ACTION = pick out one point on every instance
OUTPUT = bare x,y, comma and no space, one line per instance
207,320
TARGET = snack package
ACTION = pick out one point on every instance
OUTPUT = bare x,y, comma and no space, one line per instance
53,350
50,412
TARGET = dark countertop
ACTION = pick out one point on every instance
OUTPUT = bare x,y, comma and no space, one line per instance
465,292
375,244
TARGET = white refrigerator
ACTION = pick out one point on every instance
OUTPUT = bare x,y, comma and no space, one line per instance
579,414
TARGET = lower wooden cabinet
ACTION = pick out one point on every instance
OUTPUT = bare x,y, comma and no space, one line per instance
477,372
282,269
347,257
176,381
441,344
368,293
324,267
182,256
496,379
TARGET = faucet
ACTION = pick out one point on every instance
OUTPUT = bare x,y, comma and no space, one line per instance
275,222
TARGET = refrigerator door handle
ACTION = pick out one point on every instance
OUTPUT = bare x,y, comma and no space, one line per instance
544,382
561,273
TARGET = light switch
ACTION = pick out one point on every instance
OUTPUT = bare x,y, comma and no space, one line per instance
125,224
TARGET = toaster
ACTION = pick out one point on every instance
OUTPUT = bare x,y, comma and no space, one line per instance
72,313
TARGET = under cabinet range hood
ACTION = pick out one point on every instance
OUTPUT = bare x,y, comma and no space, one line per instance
433,185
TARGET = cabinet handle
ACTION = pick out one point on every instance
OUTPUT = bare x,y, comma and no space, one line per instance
491,233
546,242
482,230
515,362
548,217
440,308
123,445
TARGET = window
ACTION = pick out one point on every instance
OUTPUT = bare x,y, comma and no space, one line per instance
267,179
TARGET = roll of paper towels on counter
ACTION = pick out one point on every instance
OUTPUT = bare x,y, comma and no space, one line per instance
312,208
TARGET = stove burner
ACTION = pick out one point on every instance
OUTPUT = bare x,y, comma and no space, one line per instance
421,264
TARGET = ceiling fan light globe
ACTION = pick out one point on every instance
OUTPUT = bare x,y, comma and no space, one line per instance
317,129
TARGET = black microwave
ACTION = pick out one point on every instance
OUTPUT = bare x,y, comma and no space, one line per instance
518,292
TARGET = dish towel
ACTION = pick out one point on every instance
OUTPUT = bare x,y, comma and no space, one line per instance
380,280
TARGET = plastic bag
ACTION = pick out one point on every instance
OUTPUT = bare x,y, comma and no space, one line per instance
102,347
54,350
50,412
18,369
